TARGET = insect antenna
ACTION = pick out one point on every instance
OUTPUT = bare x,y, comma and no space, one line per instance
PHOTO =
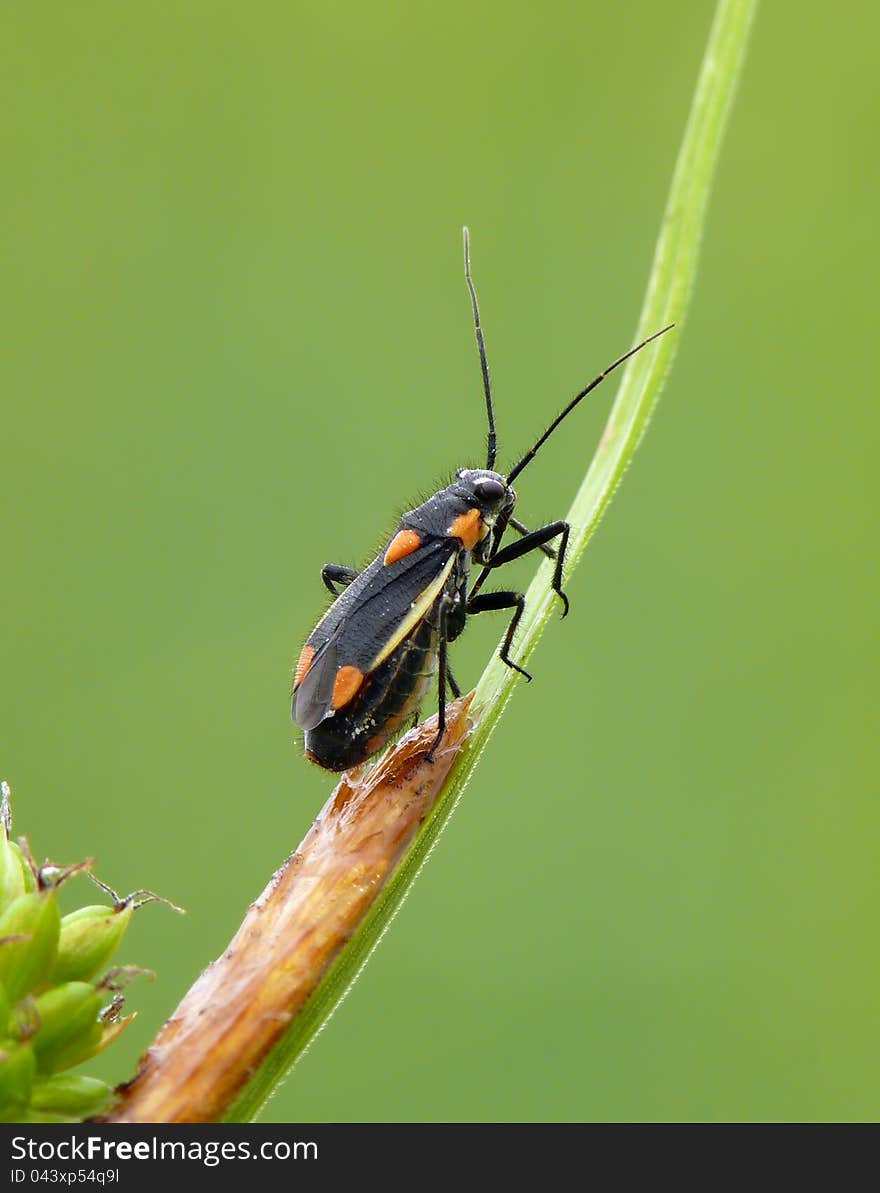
532,452
484,364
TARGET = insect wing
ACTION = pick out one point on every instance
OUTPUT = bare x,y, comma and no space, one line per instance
314,695
368,620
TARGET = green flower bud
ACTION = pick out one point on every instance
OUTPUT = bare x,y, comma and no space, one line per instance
15,874
17,1066
69,1094
89,938
29,930
82,1048
30,881
69,1028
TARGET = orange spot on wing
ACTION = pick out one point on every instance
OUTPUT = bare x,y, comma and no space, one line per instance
348,680
403,544
302,667
470,528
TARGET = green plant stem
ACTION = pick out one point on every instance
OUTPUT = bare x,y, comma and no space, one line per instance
669,289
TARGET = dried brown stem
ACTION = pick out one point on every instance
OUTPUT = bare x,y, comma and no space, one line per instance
243,1005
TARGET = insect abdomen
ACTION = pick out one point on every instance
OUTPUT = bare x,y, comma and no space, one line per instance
387,697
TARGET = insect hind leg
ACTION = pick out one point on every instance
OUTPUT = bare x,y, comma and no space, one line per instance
443,673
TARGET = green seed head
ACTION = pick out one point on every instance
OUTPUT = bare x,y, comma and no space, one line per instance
54,984
17,1069
89,938
16,877
70,1029
29,929
71,1095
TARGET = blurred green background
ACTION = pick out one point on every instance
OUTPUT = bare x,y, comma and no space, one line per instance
237,343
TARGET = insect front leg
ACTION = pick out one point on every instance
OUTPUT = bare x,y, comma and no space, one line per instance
488,601
337,573
515,524
533,541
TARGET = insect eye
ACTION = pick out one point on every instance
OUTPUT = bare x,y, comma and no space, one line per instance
489,490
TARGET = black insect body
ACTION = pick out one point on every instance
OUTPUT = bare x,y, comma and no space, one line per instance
368,662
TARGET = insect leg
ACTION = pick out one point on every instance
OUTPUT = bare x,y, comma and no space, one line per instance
442,673
489,601
520,529
531,542
456,690
337,573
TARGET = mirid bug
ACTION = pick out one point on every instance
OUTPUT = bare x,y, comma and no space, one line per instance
367,664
